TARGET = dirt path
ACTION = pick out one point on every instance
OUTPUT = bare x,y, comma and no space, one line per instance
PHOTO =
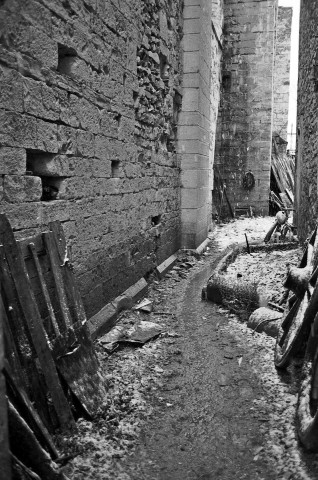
204,427
204,401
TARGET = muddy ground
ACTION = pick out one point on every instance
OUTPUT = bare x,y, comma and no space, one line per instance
201,401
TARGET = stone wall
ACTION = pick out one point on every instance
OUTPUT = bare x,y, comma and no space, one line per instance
307,146
282,71
202,47
89,103
245,115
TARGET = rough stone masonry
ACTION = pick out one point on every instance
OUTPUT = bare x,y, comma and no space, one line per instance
255,59
89,98
307,149
108,113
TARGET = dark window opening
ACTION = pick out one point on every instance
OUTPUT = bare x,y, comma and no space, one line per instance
155,220
177,104
136,99
164,67
42,165
50,188
115,168
66,58
226,81
118,119
38,161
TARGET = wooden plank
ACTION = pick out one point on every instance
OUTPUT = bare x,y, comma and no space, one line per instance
38,245
15,322
33,380
25,446
44,289
11,352
20,400
49,243
73,350
69,277
78,364
5,461
33,319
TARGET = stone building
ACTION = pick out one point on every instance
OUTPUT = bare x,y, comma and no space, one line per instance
108,118
254,100
281,71
307,148
89,97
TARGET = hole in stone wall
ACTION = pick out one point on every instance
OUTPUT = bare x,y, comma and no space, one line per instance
50,188
106,69
115,168
124,78
118,119
226,81
164,66
177,104
136,99
40,163
155,220
66,58
37,161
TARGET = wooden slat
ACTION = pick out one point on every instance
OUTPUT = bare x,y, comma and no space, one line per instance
79,366
58,278
44,289
33,319
20,400
24,246
69,277
32,378
11,352
5,462
16,322
25,446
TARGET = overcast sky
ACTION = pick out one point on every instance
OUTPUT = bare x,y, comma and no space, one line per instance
293,62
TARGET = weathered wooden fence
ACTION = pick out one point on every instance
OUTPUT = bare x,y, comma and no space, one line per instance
48,361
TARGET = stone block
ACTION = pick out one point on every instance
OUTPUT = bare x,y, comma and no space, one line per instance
18,189
190,101
40,100
192,26
167,265
191,62
88,115
85,143
12,161
47,136
11,89
192,11
66,140
18,130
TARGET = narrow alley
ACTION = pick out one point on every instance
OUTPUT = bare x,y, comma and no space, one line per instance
215,405
158,240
